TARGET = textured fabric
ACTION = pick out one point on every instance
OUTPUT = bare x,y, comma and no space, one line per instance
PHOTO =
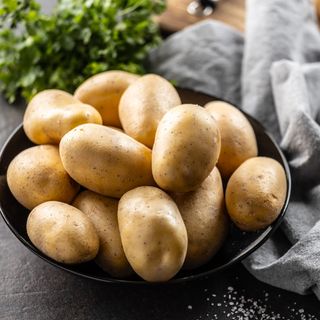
273,74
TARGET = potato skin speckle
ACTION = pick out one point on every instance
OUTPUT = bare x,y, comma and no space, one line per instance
102,212
256,193
238,141
52,113
143,105
153,234
204,215
62,232
105,160
103,91
36,175
186,148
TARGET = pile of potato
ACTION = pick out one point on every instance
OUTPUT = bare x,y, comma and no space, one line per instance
125,174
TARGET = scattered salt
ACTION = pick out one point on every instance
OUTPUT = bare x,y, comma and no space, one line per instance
239,306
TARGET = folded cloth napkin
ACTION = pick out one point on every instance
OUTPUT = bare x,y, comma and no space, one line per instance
273,74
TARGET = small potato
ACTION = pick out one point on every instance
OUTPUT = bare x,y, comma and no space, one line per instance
102,212
37,175
103,91
238,141
62,232
186,148
105,160
256,193
153,234
143,105
52,113
204,216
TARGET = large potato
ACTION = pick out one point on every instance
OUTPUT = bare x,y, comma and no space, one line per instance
256,193
102,211
52,113
103,91
204,216
153,234
62,232
143,105
186,148
37,175
238,141
105,160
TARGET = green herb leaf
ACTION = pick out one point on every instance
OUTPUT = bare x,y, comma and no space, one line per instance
79,39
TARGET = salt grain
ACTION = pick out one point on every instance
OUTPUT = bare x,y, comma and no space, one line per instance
241,307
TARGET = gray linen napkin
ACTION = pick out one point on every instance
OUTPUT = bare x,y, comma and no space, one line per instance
272,73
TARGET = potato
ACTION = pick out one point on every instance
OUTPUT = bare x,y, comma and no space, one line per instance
153,234
115,128
102,212
256,193
52,113
62,232
105,160
206,221
103,91
37,175
143,105
186,148
238,141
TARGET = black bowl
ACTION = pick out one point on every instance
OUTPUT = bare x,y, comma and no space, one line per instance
237,246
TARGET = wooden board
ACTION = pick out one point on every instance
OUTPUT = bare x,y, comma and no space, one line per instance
176,16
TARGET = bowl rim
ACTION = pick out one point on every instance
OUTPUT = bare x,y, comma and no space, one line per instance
263,237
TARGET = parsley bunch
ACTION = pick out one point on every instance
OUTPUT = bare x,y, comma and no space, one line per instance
78,39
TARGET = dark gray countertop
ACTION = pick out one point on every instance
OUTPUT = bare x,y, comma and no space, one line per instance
32,289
